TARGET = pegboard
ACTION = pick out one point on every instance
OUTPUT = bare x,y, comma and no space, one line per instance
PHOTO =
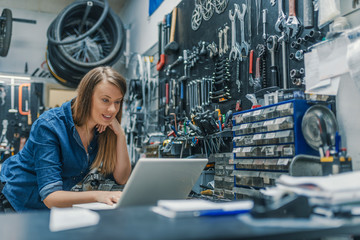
208,32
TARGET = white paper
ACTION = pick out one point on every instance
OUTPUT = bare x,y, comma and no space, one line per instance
353,60
325,87
324,64
333,183
70,218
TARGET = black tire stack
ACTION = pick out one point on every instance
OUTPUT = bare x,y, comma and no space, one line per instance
70,53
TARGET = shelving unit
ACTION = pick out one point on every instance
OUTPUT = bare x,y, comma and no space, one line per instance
265,141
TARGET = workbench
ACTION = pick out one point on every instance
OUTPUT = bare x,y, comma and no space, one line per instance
142,223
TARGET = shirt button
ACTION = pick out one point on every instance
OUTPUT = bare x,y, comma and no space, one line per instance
90,148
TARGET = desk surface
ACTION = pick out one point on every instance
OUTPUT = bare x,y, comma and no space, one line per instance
142,223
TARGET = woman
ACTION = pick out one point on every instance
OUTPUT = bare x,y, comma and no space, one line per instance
65,143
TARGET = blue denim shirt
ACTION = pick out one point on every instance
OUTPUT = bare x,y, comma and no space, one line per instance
52,159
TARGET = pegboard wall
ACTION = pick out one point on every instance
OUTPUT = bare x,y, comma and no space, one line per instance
210,68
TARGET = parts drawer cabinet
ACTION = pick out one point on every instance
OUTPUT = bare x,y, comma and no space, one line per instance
265,140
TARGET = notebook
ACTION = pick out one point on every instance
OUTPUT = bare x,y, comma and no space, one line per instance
154,179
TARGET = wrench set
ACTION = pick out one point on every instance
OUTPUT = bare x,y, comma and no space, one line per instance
251,47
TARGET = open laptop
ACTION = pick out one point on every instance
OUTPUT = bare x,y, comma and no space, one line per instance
156,179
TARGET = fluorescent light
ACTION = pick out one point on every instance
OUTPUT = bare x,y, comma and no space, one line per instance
15,77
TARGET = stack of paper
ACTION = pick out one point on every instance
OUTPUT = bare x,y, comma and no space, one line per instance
199,207
336,189
69,218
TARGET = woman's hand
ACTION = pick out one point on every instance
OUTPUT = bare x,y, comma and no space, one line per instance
114,125
108,197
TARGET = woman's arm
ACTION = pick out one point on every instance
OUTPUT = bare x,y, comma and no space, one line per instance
123,167
67,198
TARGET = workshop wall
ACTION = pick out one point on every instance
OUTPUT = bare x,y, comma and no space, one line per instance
144,28
28,42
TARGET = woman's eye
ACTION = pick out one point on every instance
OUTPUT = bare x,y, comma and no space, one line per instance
118,102
105,100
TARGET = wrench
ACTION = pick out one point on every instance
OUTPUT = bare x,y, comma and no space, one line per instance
272,46
293,25
226,46
264,19
248,3
220,34
281,21
234,52
283,39
244,46
258,11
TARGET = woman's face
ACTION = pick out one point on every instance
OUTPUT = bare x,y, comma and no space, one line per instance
106,101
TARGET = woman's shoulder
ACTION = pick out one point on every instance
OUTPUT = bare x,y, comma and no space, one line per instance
55,115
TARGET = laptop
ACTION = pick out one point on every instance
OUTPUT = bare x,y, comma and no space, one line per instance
154,179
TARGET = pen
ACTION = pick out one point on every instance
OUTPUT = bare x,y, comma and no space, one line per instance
220,212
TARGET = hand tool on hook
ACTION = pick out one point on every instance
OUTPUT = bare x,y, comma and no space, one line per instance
172,47
281,20
234,52
251,59
293,25
272,46
244,46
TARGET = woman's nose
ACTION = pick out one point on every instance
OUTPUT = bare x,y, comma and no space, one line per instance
112,108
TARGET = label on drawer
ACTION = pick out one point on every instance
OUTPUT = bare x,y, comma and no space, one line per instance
279,120
269,151
270,135
288,151
257,136
257,112
243,126
283,161
270,122
246,149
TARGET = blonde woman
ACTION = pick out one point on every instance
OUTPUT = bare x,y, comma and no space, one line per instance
66,143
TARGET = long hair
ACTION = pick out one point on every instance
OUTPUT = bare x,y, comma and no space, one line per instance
106,157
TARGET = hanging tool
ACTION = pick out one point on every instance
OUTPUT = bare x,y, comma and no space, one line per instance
172,47
12,90
284,39
293,25
264,19
219,118
272,46
308,14
226,46
27,102
263,66
244,46
166,99
251,59
220,35
258,11
160,64
3,140
248,3
171,66
257,81
234,51
281,20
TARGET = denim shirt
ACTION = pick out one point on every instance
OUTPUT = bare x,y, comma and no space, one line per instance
52,159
